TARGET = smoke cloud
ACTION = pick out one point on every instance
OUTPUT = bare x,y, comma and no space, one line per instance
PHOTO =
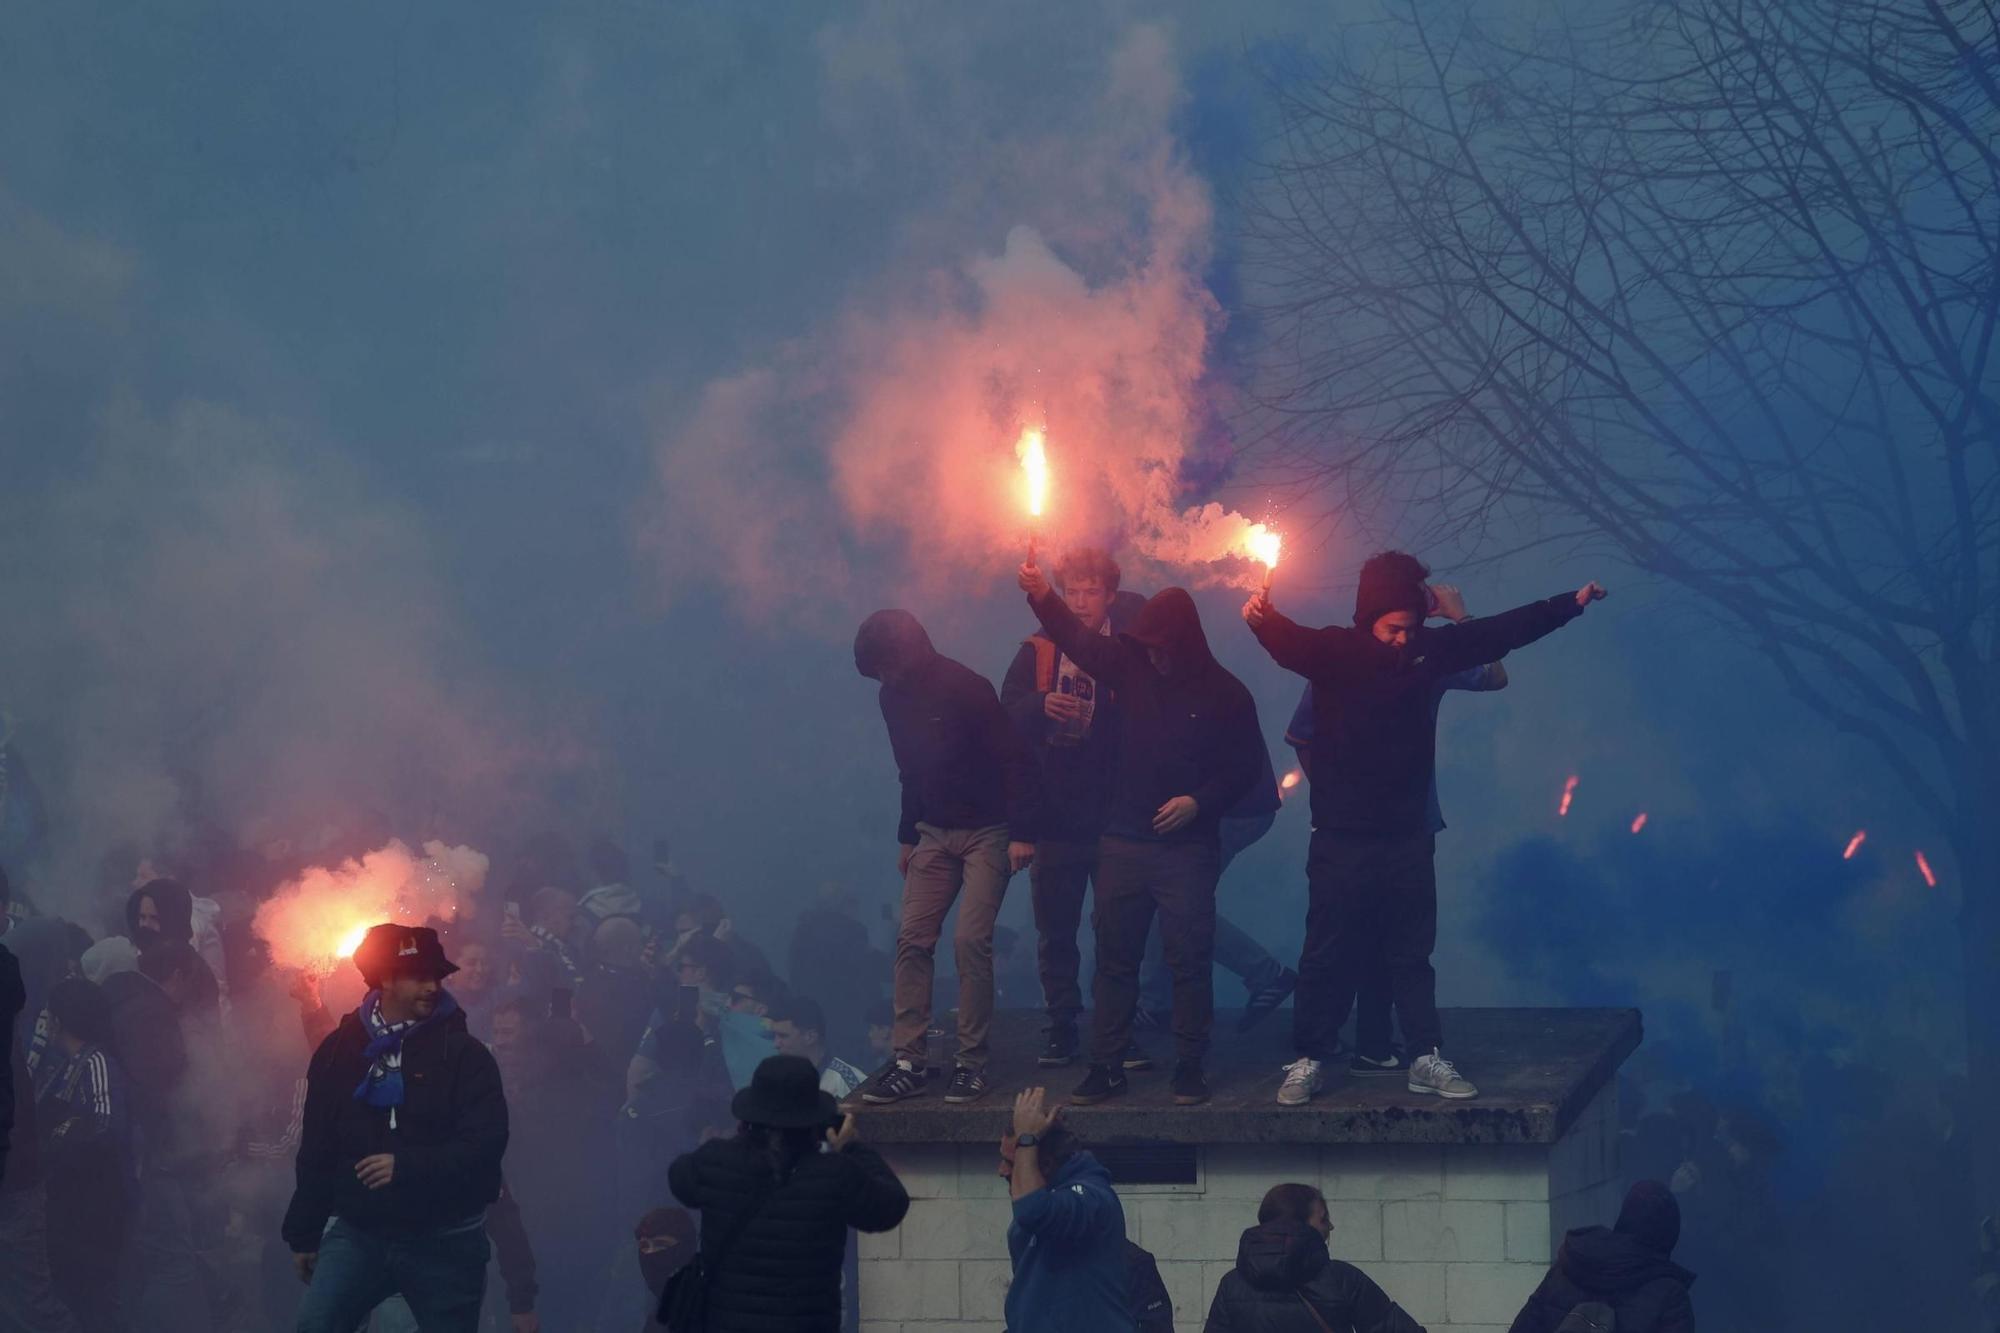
893,430
313,922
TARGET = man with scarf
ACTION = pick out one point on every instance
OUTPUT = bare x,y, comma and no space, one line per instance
1188,750
399,1157
1370,882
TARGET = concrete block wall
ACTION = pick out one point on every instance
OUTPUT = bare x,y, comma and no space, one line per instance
1458,1235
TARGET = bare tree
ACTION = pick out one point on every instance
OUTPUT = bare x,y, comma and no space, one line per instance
1713,281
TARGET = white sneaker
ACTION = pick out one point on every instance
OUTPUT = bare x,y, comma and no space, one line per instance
1434,1074
1302,1080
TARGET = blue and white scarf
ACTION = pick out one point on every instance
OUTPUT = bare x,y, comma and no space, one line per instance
382,1085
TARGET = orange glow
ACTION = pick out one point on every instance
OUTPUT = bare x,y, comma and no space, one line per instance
1924,869
1569,794
1263,544
1290,780
1854,844
1639,823
315,923
1033,452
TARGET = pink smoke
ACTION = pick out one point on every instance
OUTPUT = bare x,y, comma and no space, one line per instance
312,923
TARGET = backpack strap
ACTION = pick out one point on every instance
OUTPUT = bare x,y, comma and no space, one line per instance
1313,1310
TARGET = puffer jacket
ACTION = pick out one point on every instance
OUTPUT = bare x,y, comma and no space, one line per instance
1646,1289
1281,1267
782,1273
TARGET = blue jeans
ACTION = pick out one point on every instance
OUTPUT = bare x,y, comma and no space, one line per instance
1235,951
441,1274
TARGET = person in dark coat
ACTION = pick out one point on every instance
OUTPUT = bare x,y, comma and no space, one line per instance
27,1294
1371,880
1285,1282
399,1156
1073,1270
971,803
775,1209
1629,1268
1152,1307
1188,751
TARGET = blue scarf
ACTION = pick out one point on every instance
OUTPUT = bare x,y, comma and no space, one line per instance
382,1085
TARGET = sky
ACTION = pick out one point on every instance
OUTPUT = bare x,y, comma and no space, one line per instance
473,425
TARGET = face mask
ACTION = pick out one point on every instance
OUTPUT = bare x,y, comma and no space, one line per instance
660,1265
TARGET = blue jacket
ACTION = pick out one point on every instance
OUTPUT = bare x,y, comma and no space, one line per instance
1068,1246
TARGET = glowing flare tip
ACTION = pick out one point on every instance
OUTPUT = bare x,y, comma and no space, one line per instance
1569,794
1639,823
1924,869
1291,780
1032,450
1854,844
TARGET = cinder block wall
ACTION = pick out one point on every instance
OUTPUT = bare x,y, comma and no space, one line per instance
1457,1235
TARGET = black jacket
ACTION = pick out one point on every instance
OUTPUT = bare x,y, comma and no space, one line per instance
152,1050
1647,1290
1076,778
1152,1307
17,1092
1374,713
961,765
1280,1266
782,1275
450,1134
1188,731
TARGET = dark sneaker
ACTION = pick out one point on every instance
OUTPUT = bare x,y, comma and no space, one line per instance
1367,1066
1190,1085
967,1085
1135,1059
1264,1001
1102,1083
898,1084
1062,1047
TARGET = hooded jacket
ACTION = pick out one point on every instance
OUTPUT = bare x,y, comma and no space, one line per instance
782,1273
1188,731
1374,707
1645,1288
961,765
1067,1241
450,1133
146,1032
1283,1266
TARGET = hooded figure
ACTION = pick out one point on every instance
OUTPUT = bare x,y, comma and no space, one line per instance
1629,1268
969,811
1282,1267
1188,750
159,910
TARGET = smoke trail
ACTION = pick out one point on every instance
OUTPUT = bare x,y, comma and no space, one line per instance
313,922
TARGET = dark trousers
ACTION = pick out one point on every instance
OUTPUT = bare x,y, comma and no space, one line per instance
1370,898
441,1274
90,1225
28,1301
1058,879
1136,879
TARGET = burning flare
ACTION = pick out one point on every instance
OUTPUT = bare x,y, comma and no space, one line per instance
1263,544
1924,869
1569,794
317,921
1290,780
1639,823
1854,844
1032,450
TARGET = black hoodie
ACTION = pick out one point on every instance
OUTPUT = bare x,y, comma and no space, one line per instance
961,765
1647,1289
1374,707
1188,731
1280,1266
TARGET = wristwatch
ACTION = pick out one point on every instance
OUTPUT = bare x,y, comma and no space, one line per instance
1027,1140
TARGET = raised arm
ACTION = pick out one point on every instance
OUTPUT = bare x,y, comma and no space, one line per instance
1490,638
1331,654
1103,656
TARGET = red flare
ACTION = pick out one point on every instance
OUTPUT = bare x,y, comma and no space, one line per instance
1291,780
1640,822
1924,869
1854,844
1569,794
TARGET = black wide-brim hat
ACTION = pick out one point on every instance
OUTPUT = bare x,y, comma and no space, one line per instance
785,1094
390,948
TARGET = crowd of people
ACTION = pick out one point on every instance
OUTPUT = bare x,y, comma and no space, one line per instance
617,1080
